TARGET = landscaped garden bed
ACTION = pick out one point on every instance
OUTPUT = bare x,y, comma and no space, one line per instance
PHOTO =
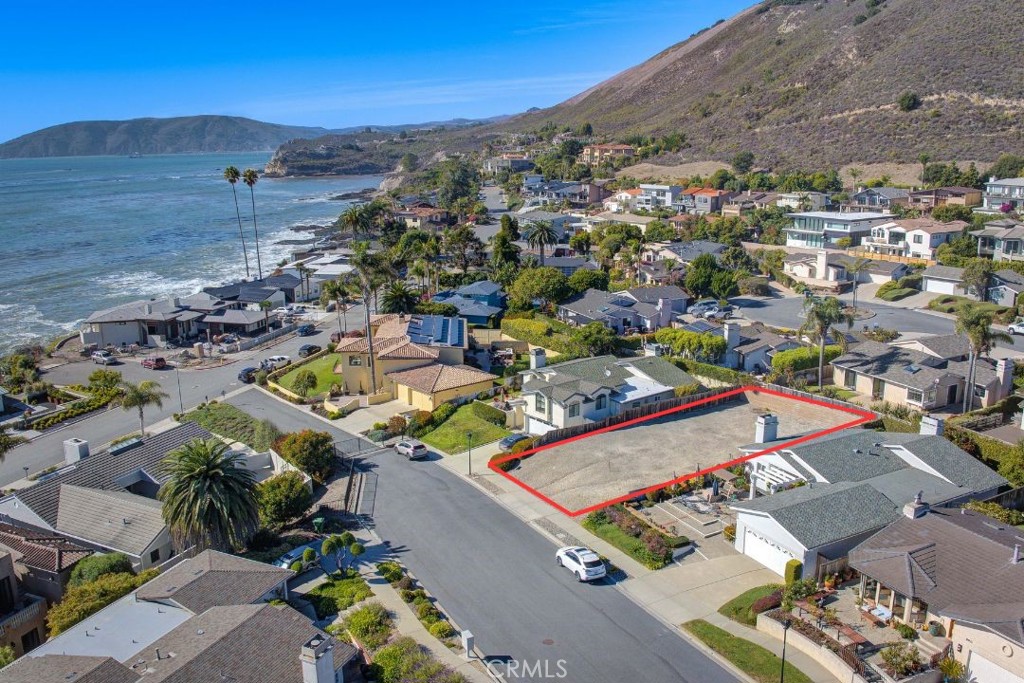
757,662
322,368
949,303
420,601
231,422
641,541
341,590
745,607
451,435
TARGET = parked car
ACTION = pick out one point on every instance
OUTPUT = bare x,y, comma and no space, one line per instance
154,362
295,555
412,449
247,375
583,562
1017,326
308,350
701,306
511,440
305,330
717,313
103,357
277,362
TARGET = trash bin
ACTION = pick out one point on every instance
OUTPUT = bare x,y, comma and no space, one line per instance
318,524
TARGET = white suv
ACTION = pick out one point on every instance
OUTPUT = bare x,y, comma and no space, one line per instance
1017,326
412,449
103,358
582,562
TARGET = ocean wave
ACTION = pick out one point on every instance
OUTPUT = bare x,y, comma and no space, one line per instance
147,284
25,324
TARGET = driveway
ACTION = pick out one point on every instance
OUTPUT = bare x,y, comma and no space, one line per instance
497,577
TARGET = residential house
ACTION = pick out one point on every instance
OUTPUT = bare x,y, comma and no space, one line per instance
42,560
607,153
943,280
803,201
911,237
591,389
920,380
480,303
831,270
662,272
879,197
658,196
926,200
560,191
823,497
819,229
428,386
143,322
568,265
616,310
1005,287
708,200
1005,193
677,298
628,218
507,163
560,222
687,201
246,322
748,202
944,346
22,613
957,568
208,618
1001,239
752,348
423,216
622,201
682,252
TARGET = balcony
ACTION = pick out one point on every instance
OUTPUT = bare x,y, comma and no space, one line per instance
881,245
29,608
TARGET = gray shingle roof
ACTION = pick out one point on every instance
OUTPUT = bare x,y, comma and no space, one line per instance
661,371
598,305
651,295
118,520
68,669
946,345
102,470
214,579
944,273
958,562
899,366
688,251
1011,278
587,376
483,287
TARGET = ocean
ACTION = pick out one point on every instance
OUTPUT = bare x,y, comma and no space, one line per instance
80,234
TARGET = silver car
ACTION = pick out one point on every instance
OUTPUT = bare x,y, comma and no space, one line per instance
412,449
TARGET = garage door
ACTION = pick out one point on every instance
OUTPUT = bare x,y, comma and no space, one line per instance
984,670
766,552
536,427
939,286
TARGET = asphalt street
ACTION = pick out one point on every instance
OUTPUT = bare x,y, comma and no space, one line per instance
497,577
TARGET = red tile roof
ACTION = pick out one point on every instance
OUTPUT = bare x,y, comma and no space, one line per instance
42,550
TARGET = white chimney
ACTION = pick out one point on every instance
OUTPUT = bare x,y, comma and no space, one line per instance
732,335
148,309
75,449
317,660
916,508
767,428
1004,371
821,265
538,358
932,426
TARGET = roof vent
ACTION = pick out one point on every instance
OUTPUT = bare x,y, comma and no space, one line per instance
912,369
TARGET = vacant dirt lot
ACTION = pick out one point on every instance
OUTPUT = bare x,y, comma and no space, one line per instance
592,470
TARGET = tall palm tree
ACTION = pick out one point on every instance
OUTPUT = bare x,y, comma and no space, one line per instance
249,177
540,235
232,174
976,323
820,315
337,291
399,298
209,496
369,267
8,442
855,269
355,219
265,306
138,396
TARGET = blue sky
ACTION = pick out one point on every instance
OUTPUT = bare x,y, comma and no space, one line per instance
330,64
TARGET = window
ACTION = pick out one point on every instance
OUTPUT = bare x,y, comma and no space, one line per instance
574,410
851,380
602,401
918,239
155,555
540,404
915,396
979,391
355,360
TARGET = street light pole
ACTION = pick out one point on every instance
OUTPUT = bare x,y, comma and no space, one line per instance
785,630
177,377
469,442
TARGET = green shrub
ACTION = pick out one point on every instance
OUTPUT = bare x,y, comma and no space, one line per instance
997,512
794,570
371,625
712,371
407,595
442,413
376,435
95,566
390,571
803,358
427,612
405,583
906,631
488,413
442,629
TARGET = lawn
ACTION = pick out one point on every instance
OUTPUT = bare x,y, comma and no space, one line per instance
738,609
760,664
841,393
897,294
227,420
949,303
322,367
450,437
338,594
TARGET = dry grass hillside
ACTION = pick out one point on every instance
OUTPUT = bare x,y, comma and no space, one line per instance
816,83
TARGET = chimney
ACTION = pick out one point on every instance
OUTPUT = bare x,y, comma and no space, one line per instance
932,426
821,265
74,450
317,660
538,358
767,428
732,335
1004,371
917,508
175,302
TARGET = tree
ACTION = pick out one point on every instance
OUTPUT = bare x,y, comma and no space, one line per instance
723,284
356,550
820,314
952,212
977,272
409,162
398,298
1007,166
104,379
659,232
95,566
7,655
855,269
580,243
844,242
958,250
975,323
336,291
85,600
249,177
510,226
584,279
503,250
457,180
908,101
463,245
8,442
743,162
337,545
368,267
540,235
209,498
594,338
311,452
265,306
232,175
139,396
854,174
1011,466
700,274
305,382
546,284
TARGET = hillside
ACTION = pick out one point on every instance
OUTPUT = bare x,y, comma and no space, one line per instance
155,136
814,83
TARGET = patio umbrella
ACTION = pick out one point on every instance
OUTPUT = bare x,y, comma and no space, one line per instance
714,487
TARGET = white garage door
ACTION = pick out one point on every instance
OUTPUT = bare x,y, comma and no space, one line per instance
939,286
766,552
983,670
536,427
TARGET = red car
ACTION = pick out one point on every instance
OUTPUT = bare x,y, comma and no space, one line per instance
154,362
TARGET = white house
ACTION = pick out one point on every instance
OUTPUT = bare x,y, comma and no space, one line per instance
819,229
913,237
802,201
658,196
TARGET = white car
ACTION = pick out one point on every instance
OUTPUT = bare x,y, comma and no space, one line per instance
1017,326
278,362
701,306
412,449
582,562
103,358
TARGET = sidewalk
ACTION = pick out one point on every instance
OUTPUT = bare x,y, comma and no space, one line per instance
693,587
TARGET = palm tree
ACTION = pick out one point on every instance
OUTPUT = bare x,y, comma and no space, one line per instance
304,273
8,442
354,218
399,298
976,323
232,174
820,315
855,269
369,268
854,174
145,393
249,177
209,496
265,306
336,291
924,158
541,234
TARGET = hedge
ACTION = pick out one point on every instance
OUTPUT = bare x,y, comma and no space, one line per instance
539,333
794,571
488,413
712,371
803,358
98,399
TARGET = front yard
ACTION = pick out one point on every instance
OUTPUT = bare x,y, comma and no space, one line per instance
338,593
322,367
760,664
949,303
450,437
738,609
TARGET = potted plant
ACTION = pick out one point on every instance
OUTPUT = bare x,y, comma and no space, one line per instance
952,670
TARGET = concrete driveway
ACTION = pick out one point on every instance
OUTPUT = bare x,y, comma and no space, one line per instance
362,420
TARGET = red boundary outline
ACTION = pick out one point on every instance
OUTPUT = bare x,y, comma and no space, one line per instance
863,416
